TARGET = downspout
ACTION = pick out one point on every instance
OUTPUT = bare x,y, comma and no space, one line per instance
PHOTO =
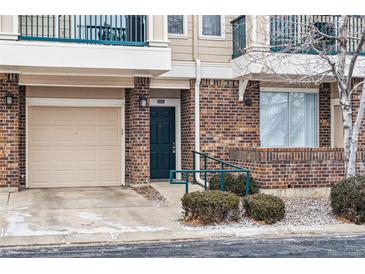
197,120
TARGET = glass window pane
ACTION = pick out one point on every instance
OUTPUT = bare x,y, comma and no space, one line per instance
274,119
212,25
311,120
176,24
288,119
296,120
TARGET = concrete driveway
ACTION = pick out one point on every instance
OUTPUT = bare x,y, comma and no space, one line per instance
111,215
84,214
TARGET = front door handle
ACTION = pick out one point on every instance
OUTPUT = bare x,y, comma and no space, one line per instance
173,148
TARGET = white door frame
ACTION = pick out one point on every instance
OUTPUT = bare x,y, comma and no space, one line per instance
63,102
162,102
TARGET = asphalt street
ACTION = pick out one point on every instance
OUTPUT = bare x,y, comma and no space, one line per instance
306,247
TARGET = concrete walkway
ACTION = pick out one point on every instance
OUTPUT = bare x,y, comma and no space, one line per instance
92,215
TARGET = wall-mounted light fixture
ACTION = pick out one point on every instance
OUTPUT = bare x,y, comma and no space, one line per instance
143,101
248,102
9,99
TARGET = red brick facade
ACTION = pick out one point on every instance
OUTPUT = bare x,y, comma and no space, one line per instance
187,126
324,112
225,122
137,127
295,167
229,130
303,167
9,131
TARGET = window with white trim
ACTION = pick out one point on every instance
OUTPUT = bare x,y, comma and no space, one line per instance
176,25
212,26
288,119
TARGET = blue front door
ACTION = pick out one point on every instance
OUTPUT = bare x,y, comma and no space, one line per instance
162,138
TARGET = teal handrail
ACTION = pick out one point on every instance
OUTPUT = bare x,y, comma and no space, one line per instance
238,36
288,33
205,171
126,30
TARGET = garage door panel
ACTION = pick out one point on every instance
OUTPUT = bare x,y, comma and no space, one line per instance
110,116
40,134
41,156
40,176
51,134
62,155
64,175
87,155
74,147
109,175
63,115
88,116
87,175
110,155
63,134
48,155
88,134
109,134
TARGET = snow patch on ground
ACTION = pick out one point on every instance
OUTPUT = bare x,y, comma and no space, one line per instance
89,215
89,223
17,226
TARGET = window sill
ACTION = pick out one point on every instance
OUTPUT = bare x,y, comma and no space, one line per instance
269,155
208,37
177,36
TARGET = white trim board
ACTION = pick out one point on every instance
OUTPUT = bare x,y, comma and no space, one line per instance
62,102
157,102
286,89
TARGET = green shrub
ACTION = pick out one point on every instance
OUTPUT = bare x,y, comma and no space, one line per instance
263,207
241,179
348,199
230,183
211,207
234,184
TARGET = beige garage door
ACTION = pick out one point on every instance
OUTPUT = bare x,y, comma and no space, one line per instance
70,146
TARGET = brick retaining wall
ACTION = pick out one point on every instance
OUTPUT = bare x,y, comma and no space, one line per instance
295,167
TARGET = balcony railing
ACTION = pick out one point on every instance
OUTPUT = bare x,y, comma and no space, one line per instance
128,30
312,34
306,34
239,35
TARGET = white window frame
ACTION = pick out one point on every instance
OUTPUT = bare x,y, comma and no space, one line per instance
184,35
213,37
297,90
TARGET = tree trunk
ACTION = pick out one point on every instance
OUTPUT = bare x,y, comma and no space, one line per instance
351,170
345,103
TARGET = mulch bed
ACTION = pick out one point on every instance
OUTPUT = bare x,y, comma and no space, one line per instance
151,194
